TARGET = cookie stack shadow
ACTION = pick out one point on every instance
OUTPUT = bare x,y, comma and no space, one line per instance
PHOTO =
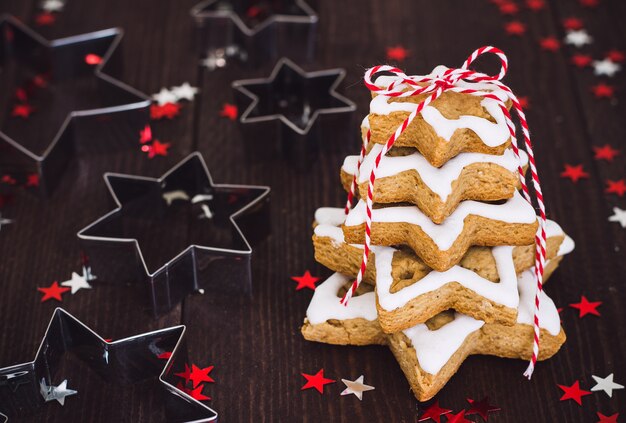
451,272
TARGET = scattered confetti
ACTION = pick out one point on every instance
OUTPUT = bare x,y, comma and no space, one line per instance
45,19
577,38
572,24
32,180
550,44
22,110
586,307
589,3
93,59
603,90
305,281
618,216
164,96
198,375
607,419
574,172
8,179
606,384
186,374
145,135
616,187
165,355
434,412
458,418
5,221
535,5
581,60
482,408
316,381
76,283
58,393
52,5
398,53
167,110
508,8
616,56
53,292
230,111
157,148
605,67
606,152
356,387
194,393
184,92
573,392
515,28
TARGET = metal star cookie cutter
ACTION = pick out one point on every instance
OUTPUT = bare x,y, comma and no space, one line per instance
127,361
114,124
293,112
254,31
215,254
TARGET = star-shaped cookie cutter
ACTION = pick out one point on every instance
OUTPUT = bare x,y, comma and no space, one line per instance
120,120
127,361
215,218
254,31
293,112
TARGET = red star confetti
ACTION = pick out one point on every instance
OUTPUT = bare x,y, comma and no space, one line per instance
167,110
93,59
515,28
194,393
40,81
45,19
22,110
616,187
535,5
157,148
574,172
606,152
573,392
581,60
607,419
572,23
589,3
229,111
482,408
550,44
508,8
21,95
458,418
398,53
145,135
165,355
8,179
199,375
603,90
186,374
434,412
616,56
305,281
586,307
53,292
524,102
316,381
253,11
32,180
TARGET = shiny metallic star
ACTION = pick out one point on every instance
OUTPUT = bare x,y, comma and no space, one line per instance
605,67
164,96
52,5
77,283
356,387
578,38
606,384
51,393
4,221
619,216
184,91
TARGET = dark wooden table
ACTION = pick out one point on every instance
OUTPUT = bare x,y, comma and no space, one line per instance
255,343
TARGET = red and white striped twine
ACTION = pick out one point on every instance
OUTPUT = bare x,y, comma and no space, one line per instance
406,86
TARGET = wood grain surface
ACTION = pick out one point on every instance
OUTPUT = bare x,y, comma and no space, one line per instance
254,342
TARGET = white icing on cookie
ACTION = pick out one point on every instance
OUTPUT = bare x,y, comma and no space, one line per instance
503,292
439,180
330,216
548,314
567,246
514,210
325,303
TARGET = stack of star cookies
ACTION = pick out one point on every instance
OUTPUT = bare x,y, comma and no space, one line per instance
450,272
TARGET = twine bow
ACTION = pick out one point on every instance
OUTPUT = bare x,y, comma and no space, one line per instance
434,86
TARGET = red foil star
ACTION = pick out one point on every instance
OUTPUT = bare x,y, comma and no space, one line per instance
515,28
199,375
535,5
616,56
572,23
616,187
508,8
603,90
586,307
550,44
458,418
316,381
574,172
606,152
434,412
186,374
93,59
305,281
8,179
53,292
482,408
22,110
21,94
32,180
573,392
145,135
589,3
167,110
45,19
397,53
157,148
229,111
165,355
607,419
581,60
194,393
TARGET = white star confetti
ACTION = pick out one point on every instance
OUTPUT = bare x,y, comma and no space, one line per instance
51,393
52,5
606,384
164,96
184,91
605,67
578,38
356,387
619,216
4,221
77,283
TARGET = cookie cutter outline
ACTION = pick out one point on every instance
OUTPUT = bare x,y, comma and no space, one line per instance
61,147
65,333
183,274
263,42
299,144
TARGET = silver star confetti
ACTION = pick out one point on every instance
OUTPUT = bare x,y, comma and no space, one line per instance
606,384
619,216
578,38
51,393
184,91
356,387
52,5
605,67
4,221
164,96
77,283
